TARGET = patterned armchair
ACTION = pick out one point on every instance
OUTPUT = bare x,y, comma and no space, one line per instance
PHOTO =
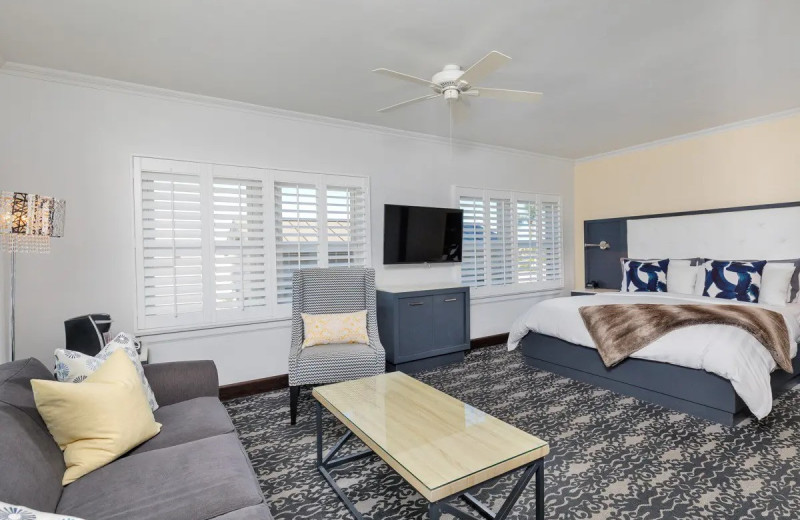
330,291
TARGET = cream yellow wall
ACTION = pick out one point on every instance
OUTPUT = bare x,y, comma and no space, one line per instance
752,164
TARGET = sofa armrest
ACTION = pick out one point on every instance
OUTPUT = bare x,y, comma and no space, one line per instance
182,380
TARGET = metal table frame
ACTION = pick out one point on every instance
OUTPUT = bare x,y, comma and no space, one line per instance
327,462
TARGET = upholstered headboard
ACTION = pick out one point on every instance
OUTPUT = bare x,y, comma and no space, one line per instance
769,232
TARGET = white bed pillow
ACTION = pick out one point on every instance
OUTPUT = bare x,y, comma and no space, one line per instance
776,282
700,284
681,279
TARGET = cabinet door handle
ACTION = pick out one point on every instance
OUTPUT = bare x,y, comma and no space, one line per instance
451,300
414,304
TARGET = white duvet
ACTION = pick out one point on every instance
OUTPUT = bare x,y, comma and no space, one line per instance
724,350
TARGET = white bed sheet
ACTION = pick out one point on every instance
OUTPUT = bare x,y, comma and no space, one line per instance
724,350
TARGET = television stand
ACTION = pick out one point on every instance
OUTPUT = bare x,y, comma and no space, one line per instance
424,326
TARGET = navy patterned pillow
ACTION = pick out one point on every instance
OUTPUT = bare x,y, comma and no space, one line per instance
646,276
731,280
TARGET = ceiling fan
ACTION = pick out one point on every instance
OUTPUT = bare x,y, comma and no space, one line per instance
453,84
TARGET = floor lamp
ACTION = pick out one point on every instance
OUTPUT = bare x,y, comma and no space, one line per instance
27,222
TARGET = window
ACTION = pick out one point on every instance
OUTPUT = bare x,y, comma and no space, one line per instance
218,244
511,242
319,222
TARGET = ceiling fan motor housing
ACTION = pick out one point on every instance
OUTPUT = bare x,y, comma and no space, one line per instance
448,82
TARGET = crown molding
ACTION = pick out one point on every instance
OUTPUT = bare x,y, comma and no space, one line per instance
112,85
691,135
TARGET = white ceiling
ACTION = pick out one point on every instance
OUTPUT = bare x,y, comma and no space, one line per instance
615,73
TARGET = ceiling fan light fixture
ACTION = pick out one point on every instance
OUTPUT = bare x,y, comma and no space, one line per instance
451,93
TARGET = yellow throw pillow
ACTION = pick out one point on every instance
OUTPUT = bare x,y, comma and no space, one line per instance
98,420
324,329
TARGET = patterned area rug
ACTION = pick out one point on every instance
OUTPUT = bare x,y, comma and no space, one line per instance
611,456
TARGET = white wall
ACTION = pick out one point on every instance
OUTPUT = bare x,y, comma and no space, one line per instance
75,141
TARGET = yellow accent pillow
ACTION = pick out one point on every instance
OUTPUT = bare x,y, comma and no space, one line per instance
98,420
324,329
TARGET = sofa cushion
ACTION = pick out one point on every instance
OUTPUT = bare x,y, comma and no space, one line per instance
188,421
198,480
25,444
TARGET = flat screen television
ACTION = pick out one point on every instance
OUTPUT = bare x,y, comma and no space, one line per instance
417,235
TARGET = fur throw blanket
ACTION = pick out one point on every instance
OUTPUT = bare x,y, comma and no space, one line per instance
620,330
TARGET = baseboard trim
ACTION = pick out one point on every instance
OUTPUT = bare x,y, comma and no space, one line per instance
255,386
268,384
488,341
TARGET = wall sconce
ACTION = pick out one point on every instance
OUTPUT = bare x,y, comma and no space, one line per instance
602,245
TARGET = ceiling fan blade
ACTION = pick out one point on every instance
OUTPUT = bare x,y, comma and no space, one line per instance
488,64
410,101
404,77
509,95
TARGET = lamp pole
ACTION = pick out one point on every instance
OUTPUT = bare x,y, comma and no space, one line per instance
13,298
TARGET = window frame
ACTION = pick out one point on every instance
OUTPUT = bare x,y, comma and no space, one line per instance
210,317
516,287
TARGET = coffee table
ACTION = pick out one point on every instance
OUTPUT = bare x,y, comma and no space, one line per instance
441,446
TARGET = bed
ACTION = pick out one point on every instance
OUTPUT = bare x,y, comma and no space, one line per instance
716,372
711,371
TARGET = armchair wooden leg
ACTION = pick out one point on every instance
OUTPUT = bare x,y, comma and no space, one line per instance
294,394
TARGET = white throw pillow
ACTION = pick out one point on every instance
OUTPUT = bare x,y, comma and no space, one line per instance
12,512
74,367
681,278
776,283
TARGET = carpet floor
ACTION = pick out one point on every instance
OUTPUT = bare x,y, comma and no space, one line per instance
611,457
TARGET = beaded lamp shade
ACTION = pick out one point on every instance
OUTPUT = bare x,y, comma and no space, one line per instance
28,221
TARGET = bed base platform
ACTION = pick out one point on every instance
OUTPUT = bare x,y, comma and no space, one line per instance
688,390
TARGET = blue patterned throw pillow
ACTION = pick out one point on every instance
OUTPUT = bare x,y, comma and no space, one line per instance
75,367
646,276
731,280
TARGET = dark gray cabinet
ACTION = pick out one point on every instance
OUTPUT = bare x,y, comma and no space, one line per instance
423,328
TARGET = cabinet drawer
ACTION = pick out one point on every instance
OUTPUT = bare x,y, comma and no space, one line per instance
415,324
449,316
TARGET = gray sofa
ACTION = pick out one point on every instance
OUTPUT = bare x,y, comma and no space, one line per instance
195,469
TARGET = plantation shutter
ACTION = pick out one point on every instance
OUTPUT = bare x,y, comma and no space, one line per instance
240,254
550,240
297,233
473,246
171,248
346,226
218,244
510,239
501,241
527,231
